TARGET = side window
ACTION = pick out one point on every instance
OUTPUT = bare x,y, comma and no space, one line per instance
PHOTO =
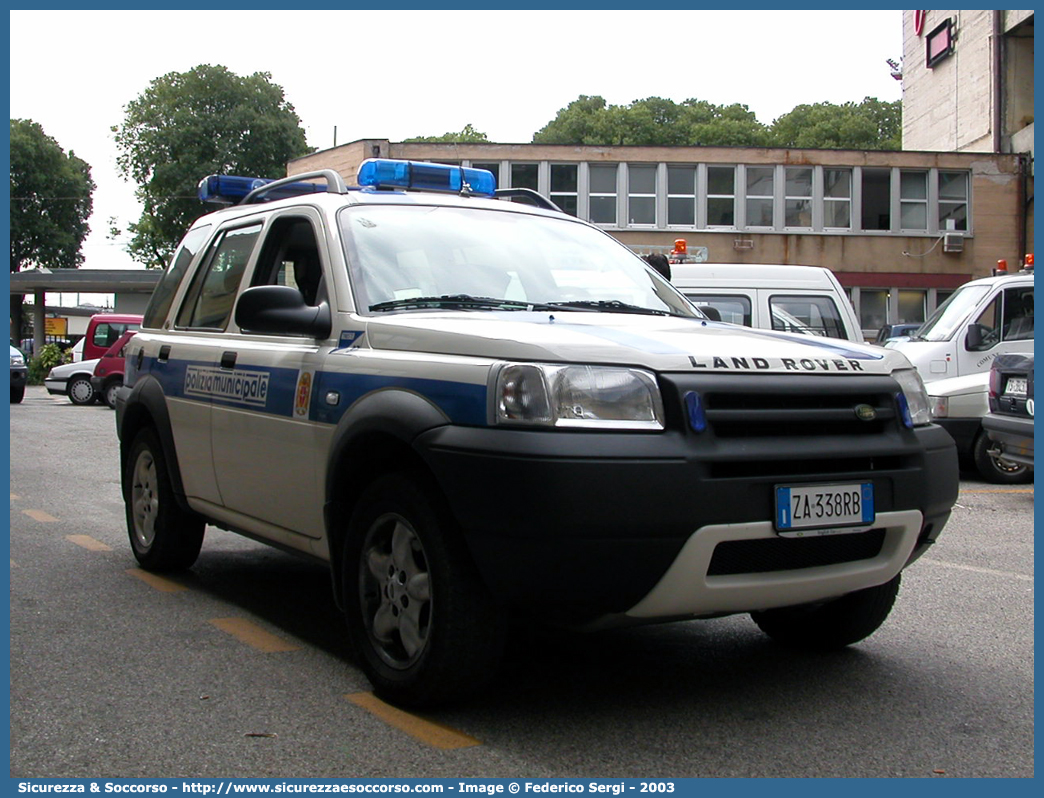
733,309
290,256
1018,314
988,324
103,336
163,295
810,315
214,288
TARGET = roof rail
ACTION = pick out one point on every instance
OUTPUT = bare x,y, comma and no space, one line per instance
334,185
527,193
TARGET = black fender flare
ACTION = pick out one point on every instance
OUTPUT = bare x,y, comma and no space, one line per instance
146,404
392,416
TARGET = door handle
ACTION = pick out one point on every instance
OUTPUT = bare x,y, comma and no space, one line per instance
228,360
164,353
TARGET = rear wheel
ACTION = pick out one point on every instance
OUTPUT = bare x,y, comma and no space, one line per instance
424,626
994,469
80,390
833,624
163,536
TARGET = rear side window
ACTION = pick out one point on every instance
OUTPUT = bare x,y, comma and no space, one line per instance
213,292
810,315
733,308
163,295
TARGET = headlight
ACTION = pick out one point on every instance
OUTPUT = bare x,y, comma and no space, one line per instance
17,360
913,398
578,397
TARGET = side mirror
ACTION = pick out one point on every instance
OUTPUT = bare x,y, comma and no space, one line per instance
281,310
710,312
979,338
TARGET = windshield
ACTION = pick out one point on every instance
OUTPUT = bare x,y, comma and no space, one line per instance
950,314
411,257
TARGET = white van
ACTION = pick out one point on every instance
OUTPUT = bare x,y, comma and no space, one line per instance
982,319
799,299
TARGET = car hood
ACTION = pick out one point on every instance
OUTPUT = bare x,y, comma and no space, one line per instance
960,386
67,370
660,343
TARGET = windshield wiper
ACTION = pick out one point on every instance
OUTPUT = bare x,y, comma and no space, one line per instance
457,301
607,306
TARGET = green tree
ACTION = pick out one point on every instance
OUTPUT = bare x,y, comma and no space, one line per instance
653,121
869,125
187,125
467,135
51,200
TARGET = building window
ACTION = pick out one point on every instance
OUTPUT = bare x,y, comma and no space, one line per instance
603,193
939,43
721,196
525,175
798,197
873,308
641,195
564,187
837,198
759,196
913,200
877,199
912,305
953,201
681,196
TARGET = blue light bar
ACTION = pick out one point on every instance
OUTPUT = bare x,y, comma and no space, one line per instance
696,412
229,189
386,173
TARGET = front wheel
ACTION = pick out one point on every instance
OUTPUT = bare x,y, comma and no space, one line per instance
109,393
424,626
834,624
163,536
80,390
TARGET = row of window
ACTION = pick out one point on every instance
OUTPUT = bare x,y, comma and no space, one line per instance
747,197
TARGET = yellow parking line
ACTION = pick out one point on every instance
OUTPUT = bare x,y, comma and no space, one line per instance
1000,490
40,515
88,542
157,582
253,635
434,734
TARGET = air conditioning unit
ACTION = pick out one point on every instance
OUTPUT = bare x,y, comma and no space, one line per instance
953,242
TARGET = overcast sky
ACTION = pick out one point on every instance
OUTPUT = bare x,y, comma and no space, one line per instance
397,74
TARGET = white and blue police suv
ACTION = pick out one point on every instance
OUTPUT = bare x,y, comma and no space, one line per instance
470,406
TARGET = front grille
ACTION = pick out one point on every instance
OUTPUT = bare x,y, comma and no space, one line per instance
830,410
787,554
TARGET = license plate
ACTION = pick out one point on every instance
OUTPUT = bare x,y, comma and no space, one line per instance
828,509
1016,386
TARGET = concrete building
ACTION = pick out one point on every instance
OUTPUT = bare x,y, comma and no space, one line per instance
968,81
901,230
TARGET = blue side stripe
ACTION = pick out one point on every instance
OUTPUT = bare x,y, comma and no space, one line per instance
463,403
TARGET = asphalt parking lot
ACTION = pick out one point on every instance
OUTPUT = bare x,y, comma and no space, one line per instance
240,667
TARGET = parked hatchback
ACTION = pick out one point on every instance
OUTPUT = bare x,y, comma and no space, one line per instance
108,374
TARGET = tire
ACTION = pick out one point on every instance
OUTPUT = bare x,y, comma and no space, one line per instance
163,536
80,390
993,469
425,628
17,394
832,625
109,392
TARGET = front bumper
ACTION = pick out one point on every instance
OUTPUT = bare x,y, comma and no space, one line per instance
586,527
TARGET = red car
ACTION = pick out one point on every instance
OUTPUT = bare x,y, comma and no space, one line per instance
108,374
